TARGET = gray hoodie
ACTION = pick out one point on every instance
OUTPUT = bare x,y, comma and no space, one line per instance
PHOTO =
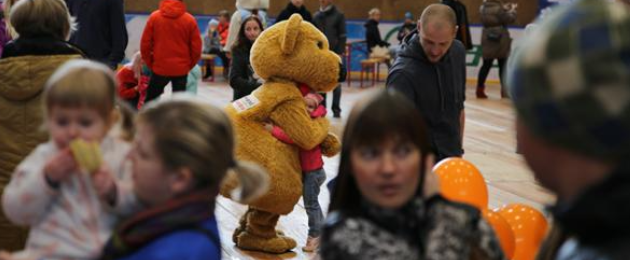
437,89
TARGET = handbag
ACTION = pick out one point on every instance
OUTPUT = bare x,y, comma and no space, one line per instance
494,35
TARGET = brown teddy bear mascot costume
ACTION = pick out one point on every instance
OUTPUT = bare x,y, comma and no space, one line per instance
285,55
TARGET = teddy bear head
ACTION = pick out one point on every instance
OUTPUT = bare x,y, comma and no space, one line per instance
295,50
252,4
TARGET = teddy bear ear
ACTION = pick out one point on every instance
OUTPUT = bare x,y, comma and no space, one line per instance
291,32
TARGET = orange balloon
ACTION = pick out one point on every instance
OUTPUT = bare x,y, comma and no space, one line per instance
503,231
461,181
529,227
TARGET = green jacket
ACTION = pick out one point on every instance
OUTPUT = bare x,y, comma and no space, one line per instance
21,118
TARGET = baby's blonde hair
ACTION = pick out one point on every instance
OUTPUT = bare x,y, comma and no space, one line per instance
82,84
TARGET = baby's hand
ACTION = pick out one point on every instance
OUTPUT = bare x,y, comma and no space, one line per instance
60,166
4,255
268,127
105,184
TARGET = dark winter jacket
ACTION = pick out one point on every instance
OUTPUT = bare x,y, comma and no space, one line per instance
437,90
435,229
39,46
333,24
292,9
405,30
463,34
102,31
373,35
241,73
495,36
595,226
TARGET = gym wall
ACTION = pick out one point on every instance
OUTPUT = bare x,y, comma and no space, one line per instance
392,10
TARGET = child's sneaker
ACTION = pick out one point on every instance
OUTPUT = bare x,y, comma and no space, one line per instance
312,244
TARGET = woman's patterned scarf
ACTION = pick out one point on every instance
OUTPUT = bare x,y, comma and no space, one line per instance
180,213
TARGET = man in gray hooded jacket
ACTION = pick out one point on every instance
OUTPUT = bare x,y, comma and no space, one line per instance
431,71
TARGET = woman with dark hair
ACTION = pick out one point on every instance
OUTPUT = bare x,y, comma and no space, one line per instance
242,77
386,204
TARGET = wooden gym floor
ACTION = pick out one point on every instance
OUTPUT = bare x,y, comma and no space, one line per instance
489,144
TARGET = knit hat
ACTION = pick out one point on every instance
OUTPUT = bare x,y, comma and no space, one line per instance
409,15
213,22
570,80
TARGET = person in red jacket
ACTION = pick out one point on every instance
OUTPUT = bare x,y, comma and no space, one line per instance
313,173
170,46
133,82
224,31
224,26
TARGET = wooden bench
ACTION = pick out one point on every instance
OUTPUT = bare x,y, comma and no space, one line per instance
372,65
208,60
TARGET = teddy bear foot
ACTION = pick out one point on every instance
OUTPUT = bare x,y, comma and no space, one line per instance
239,230
274,245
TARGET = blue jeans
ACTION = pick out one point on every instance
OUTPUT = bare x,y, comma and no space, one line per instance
311,182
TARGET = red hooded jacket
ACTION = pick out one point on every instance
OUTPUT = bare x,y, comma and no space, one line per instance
171,41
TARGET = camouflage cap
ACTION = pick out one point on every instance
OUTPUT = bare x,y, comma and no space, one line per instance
570,80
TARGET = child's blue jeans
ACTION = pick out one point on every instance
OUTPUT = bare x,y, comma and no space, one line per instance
311,182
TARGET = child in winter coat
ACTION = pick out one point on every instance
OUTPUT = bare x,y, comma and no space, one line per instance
133,81
312,168
66,201
212,39
170,46
212,45
178,179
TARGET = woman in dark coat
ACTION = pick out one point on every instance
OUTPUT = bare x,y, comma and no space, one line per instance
372,34
295,7
495,40
242,77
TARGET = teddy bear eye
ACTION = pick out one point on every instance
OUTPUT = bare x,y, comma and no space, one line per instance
320,45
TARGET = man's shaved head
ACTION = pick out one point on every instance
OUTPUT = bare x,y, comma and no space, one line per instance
437,28
438,15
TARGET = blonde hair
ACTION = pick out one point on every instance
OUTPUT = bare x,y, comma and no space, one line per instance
199,137
6,6
31,18
136,65
124,118
373,11
82,83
